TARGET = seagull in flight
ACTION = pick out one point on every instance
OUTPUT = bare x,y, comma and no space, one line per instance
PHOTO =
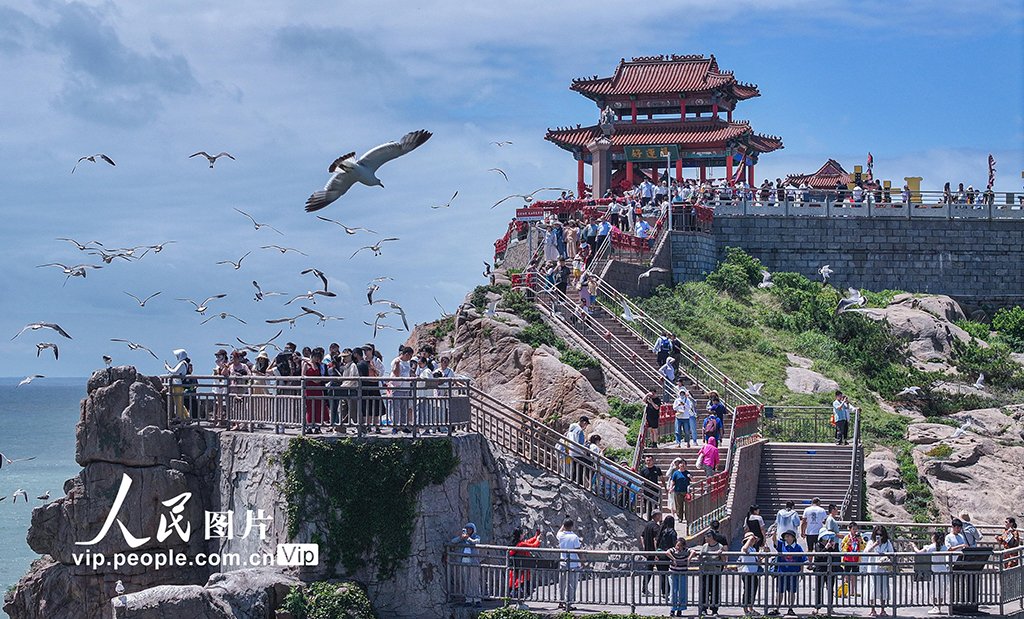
78,270
825,272
372,288
262,344
134,346
375,247
980,383
649,272
914,390
29,379
290,321
142,302
500,144
4,460
754,388
528,197
107,361
444,205
443,313
41,346
311,296
20,493
382,278
108,257
157,248
491,310
201,307
80,246
238,264
347,229
499,171
376,323
487,269
397,308
119,587
318,273
627,314
347,170
321,319
961,430
284,250
257,224
92,158
35,326
855,299
766,280
222,315
260,294
212,158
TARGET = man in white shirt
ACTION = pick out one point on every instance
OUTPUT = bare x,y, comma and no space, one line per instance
787,519
642,228
686,417
568,540
812,522
956,540
646,193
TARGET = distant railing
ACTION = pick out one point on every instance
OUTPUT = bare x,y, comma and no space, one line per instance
918,205
801,424
707,502
961,582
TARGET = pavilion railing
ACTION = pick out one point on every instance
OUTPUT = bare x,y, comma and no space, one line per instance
898,583
800,424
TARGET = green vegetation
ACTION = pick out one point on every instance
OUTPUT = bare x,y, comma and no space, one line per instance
919,495
630,414
327,600
1010,325
479,297
443,327
328,484
976,329
940,451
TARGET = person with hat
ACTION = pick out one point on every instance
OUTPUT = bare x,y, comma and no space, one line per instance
468,541
261,369
826,566
790,561
220,388
313,394
749,568
686,414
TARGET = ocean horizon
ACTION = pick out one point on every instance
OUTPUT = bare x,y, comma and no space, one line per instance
38,420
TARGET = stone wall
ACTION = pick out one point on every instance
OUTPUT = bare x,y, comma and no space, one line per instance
742,488
965,259
694,254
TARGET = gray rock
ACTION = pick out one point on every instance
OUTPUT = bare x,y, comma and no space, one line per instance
886,494
938,305
802,380
800,362
251,593
992,422
124,421
927,433
930,337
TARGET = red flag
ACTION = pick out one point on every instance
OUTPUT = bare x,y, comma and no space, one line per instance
991,172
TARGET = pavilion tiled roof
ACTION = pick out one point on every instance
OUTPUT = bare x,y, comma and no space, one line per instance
697,133
825,178
664,75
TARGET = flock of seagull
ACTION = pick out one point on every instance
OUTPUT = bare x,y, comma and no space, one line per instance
345,171
19,493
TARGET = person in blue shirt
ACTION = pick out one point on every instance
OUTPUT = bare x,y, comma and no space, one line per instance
718,410
788,567
841,417
663,346
679,483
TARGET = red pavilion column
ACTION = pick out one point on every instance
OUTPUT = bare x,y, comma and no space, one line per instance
703,173
632,107
580,185
730,115
629,173
728,169
750,175
714,110
682,109
679,170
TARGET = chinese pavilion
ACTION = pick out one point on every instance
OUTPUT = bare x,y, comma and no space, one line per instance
827,176
662,111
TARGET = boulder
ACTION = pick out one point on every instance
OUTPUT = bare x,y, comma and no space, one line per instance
800,362
885,494
927,433
802,380
124,421
938,305
250,593
930,336
993,422
612,432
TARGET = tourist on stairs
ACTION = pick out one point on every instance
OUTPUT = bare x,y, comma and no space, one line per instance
653,474
686,415
679,482
652,414
708,457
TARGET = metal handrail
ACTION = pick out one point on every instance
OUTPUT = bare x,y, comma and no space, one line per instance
825,204
855,467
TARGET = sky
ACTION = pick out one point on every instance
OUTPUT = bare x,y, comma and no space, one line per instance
930,88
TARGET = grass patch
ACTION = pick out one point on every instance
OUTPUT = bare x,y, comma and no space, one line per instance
940,451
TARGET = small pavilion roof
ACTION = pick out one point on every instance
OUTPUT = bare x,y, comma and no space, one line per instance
825,178
697,133
651,75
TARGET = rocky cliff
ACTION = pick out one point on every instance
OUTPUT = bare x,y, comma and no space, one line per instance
124,431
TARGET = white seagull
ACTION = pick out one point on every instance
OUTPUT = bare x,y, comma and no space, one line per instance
321,319
448,204
257,224
290,321
92,158
347,170
627,314
79,245
45,496
499,171
317,273
238,264
311,296
222,315
260,294
649,272
35,326
212,158
20,493
29,379
119,587
826,273
754,388
41,346
201,307
500,144
284,250
528,197
375,247
347,229
980,383
491,310
142,302
913,390
5,460
134,346
766,280
855,299
397,308
961,430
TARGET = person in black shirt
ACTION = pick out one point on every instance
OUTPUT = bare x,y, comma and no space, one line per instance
285,365
649,542
652,473
652,413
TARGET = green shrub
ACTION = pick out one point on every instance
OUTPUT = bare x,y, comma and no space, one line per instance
479,297
538,333
730,278
975,329
577,359
443,327
882,298
751,266
994,362
1009,323
919,494
940,451
326,600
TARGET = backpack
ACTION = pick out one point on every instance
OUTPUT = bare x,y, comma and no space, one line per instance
710,425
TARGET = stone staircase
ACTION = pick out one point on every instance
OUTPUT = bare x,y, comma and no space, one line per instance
799,472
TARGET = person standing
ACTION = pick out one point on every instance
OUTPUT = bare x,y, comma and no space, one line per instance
708,457
878,562
787,519
649,544
831,524
841,417
790,561
686,415
575,443
718,410
668,376
569,565
971,533
1010,539
750,568
603,230
679,481
825,565
663,347
812,522
853,544
313,394
652,473
940,571
652,417
560,275
519,584
711,564
679,564
468,541
755,526
667,538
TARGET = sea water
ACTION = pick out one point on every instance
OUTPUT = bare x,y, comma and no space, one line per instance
38,420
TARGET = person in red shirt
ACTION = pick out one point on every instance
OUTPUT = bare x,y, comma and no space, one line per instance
518,577
314,392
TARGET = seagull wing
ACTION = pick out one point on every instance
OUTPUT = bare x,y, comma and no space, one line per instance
224,155
149,351
384,153
340,164
277,320
248,215
359,250
499,171
312,311
203,153
56,327
107,159
150,297
216,296
336,187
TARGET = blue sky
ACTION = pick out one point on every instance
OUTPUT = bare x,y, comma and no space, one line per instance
930,88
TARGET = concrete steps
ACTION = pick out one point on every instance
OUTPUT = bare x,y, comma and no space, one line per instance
799,472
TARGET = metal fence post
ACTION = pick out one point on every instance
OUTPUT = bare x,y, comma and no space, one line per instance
895,578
